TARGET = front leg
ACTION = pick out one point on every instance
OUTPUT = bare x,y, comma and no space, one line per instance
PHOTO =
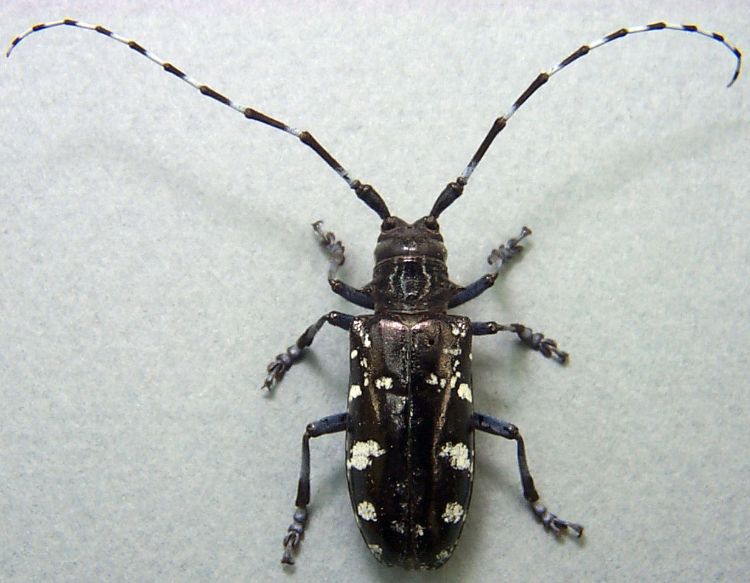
496,259
507,430
334,249
284,361
534,340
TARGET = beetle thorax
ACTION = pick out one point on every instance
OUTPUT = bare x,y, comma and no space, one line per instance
410,273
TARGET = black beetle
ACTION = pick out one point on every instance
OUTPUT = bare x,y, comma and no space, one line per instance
410,422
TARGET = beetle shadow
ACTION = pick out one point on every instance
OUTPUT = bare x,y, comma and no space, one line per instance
499,380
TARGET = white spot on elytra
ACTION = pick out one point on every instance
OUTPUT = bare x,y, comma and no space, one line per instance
458,330
443,382
396,404
432,379
418,530
362,454
464,391
384,383
452,351
399,527
366,341
353,355
354,392
367,511
376,550
457,455
444,555
363,362
366,382
453,513
471,356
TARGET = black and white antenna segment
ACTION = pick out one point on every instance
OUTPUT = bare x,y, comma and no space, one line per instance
364,191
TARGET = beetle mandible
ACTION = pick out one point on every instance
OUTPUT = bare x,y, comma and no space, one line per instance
410,421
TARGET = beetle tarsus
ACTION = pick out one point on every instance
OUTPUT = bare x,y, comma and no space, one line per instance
334,250
534,340
278,367
294,535
333,247
509,249
537,341
551,521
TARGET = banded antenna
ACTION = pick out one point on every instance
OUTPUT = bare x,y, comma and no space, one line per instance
365,192
454,189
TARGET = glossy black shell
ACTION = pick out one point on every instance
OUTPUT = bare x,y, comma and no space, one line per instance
410,450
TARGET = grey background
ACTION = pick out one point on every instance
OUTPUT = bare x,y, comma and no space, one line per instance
156,254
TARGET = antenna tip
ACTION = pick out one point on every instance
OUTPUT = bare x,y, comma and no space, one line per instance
735,76
738,56
10,48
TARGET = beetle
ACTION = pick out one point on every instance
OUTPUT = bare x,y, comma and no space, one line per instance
410,421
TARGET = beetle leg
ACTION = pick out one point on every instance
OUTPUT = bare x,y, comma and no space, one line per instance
334,249
359,297
509,431
284,361
331,424
534,340
497,259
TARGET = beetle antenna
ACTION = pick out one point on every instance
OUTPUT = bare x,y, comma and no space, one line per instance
364,191
454,189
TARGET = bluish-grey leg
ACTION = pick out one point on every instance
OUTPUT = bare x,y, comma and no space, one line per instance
334,249
284,361
496,259
331,424
534,340
509,431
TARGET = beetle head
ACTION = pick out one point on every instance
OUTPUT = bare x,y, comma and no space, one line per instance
401,239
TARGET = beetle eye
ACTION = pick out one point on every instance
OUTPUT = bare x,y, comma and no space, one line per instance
432,224
388,224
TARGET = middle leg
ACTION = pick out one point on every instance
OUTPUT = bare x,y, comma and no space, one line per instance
284,361
534,340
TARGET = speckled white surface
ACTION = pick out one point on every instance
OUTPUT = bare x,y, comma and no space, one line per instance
157,253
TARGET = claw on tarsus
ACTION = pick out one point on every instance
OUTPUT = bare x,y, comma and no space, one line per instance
537,341
509,249
276,370
333,248
291,540
278,367
294,535
557,525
